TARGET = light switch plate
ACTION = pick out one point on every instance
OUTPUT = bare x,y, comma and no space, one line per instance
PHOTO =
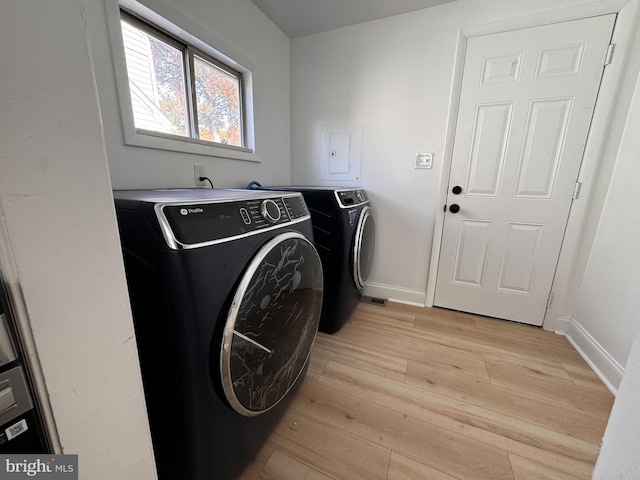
424,160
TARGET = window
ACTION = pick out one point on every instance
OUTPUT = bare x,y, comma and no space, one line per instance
177,90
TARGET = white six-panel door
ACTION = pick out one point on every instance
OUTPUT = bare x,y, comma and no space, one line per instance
526,105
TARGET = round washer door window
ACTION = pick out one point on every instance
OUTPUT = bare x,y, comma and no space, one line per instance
271,324
363,248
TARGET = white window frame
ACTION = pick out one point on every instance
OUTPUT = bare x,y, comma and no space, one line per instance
181,27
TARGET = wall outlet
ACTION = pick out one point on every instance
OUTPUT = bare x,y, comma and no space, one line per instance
199,171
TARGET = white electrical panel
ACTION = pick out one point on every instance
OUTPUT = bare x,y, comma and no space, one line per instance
340,152
339,144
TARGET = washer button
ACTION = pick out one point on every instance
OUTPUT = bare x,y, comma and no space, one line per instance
245,216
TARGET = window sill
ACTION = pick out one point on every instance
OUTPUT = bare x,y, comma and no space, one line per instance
173,143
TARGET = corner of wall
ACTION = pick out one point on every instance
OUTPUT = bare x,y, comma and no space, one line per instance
620,451
603,364
559,326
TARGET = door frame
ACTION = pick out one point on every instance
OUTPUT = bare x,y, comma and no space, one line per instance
595,164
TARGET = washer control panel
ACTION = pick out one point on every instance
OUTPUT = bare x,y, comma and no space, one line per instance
199,224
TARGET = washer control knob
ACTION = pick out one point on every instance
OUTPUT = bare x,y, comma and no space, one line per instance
270,211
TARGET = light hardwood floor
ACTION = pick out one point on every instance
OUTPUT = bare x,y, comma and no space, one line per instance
411,393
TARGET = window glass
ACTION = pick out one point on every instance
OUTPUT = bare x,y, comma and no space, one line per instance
157,82
218,103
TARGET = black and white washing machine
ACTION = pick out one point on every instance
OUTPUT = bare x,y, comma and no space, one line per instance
226,290
344,234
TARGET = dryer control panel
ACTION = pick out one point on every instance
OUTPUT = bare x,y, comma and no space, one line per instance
207,223
351,198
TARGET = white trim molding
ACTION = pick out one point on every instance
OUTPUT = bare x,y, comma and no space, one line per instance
395,294
603,364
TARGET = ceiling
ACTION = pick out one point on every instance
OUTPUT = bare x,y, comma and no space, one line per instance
303,17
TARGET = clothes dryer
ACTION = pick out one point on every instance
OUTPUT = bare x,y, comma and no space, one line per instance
226,290
344,235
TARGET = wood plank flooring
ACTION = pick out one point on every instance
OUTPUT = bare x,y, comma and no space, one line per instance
407,393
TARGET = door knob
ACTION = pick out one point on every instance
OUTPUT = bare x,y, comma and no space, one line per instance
455,208
457,190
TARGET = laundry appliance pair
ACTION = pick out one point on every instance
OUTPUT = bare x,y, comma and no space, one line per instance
226,290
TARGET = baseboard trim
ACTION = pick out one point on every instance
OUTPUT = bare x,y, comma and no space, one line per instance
395,294
561,326
603,364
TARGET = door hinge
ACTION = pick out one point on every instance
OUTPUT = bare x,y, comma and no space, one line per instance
550,299
609,57
576,190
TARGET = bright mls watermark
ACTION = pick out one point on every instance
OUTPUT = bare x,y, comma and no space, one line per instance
50,467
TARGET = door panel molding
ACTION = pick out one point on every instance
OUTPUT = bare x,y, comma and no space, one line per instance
560,61
538,166
503,68
470,262
488,148
518,264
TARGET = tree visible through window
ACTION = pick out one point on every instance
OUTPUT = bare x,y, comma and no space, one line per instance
176,90
218,101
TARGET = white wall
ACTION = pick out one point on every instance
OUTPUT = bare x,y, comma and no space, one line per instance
608,305
620,452
609,299
395,76
238,26
59,243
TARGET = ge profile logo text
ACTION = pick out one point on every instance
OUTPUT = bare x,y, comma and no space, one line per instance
187,211
50,467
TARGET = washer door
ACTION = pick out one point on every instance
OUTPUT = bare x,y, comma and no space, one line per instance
271,324
363,247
